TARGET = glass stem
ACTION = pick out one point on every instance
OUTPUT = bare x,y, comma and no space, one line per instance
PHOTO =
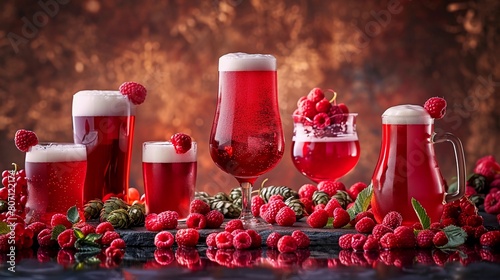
246,201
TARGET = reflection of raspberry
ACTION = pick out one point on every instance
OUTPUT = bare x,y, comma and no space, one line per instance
196,220
60,219
214,219
302,239
103,227
187,237
256,238
163,240
199,206
285,217
224,240
287,244
233,224
392,219
108,237
66,239
272,240
242,241
345,241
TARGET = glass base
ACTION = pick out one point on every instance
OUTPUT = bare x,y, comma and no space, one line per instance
255,224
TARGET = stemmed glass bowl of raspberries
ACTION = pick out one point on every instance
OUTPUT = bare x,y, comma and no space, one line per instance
325,143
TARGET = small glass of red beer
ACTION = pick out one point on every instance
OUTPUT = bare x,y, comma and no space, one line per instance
56,174
169,177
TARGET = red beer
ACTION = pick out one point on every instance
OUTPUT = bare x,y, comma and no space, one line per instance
104,122
169,178
56,175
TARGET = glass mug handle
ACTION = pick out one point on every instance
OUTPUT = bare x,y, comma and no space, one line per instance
460,161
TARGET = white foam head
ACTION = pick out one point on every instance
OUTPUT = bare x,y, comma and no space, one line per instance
164,152
406,114
56,152
247,62
101,103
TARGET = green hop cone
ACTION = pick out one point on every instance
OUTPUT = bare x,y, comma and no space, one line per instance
110,205
137,214
201,194
222,196
228,209
479,183
343,198
237,202
3,206
284,191
297,206
119,218
235,194
320,197
92,209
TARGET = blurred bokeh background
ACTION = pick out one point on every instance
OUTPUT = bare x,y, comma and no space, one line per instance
375,54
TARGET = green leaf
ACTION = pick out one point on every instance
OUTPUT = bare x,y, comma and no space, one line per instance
78,233
4,228
456,237
424,219
92,237
72,215
362,202
56,231
330,222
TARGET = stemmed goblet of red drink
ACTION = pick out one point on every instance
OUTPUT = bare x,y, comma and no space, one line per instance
247,137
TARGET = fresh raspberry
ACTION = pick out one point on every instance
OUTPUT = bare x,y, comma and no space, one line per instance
490,239
321,120
135,92
392,219
272,210
44,238
196,220
182,142
242,241
87,229
345,241
187,237
331,187
470,231
66,239
331,205
301,99
340,218
307,108
256,238
487,167
440,239
406,237
365,225
475,221
323,106
343,108
492,202
168,219
119,243
151,223
275,197
163,240
362,215
307,191
436,226
467,206
4,243
108,237
25,139
308,204
315,95
318,219
214,219
389,241
285,217
319,206
199,206
424,238
302,239
37,227
224,240
210,240
449,221
236,231
355,189
371,243
60,219
263,209
233,225
287,244
479,231
103,227
272,240
257,202
357,241
450,210
436,107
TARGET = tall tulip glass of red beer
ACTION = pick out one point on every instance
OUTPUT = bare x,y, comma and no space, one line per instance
104,122
56,174
247,138
169,177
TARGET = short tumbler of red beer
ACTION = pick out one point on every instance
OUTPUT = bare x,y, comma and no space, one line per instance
56,175
104,122
169,177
